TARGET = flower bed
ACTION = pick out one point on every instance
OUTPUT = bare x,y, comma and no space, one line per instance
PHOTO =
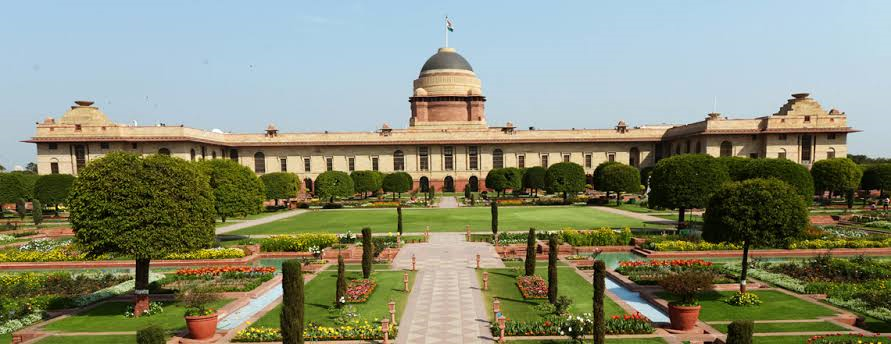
224,270
604,236
879,224
356,331
510,202
840,243
43,250
532,287
216,279
682,245
553,325
850,338
382,204
359,290
208,253
298,242
651,272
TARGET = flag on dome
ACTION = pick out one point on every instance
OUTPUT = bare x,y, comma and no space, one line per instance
449,24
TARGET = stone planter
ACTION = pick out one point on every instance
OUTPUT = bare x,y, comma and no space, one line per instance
202,327
683,318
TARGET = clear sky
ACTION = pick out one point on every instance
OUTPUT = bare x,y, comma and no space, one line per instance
343,66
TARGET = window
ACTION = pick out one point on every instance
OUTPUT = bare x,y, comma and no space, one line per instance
133,145
213,154
398,161
54,167
830,154
192,154
233,154
634,156
329,164
203,152
260,162
807,118
611,157
544,160
677,149
687,147
754,137
448,158
698,147
498,158
164,151
565,157
806,148
53,146
753,155
781,154
726,149
374,164
103,145
588,160
424,158
80,156
77,127
283,164
521,161
831,136
351,162
307,165
473,157
782,137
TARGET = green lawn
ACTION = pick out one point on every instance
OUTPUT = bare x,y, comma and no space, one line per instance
110,339
654,340
444,220
109,317
320,298
780,339
503,284
776,306
817,326
6,338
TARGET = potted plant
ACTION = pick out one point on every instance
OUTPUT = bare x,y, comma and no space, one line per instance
201,319
684,312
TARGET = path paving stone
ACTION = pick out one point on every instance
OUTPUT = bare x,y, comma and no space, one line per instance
448,202
250,223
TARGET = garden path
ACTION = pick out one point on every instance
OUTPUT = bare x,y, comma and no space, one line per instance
448,202
633,215
446,305
250,223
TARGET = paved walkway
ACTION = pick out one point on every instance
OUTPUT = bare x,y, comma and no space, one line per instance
446,305
250,223
448,202
633,215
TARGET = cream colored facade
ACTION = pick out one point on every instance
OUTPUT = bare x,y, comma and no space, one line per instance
448,123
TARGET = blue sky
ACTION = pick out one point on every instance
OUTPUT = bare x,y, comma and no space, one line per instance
338,66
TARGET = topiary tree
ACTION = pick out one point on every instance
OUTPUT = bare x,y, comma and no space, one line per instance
761,212
53,189
740,332
399,218
494,206
397,183
291,318
597,176
530,253
432,193
11,188
686,181
877,177
145,208
340,293
619,178
514,177
736,167
334,184
366,182
552,269
534,179
838,175
27,179
280,185
367,252
786,170
236,189
598,317
36,212
467,192
565,177
21,209
153,334
496,180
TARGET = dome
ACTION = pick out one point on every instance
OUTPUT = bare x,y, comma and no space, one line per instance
446,58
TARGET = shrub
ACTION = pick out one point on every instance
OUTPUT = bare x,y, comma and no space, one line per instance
597,237
332,206
743,299
298,242
566,178
740,332
683,245
208,253
686,285
153,334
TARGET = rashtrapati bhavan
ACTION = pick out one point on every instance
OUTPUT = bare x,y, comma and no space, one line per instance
448,142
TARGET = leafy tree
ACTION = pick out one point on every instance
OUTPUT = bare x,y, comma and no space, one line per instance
598,316
2,168
397,183
530,253
619,178
736,166
740,332
565,177
37,212
862,159
598,175
291,319
534,179
53,189
686,181
760,212
496,180
20,208
494,205
552,270
31,167
340,293
236,189
145,208
367,252
836,175
366,182
514,178
466,191
334,184
877,177
280,185
11,188
786,170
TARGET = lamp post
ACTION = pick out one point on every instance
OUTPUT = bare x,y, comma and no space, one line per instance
485,280
413,261
398,239
385,328
496,307
501,321
392,306
427,233
467,236
405,280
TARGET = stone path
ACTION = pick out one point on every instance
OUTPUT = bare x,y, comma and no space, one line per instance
448,202
633,215
446,305
250,223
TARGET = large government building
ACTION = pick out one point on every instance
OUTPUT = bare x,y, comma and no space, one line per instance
448,142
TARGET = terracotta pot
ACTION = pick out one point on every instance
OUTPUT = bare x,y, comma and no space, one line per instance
202,327
683,318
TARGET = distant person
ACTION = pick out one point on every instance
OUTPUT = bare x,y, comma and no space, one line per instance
872,206
886,202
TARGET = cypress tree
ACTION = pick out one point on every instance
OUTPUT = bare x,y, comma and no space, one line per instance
599,290
467,192
399,218
432,193
20,208
552,270
530,252
37,212
494,219
292,303
341,282
367,252
740,332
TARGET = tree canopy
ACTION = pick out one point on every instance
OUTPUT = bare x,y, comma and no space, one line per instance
334,184
598,174
11,188
619,178
496,180
836,175
736,166
514,178
280,185
237,190
366,182
565,177
397,182
686,181
53,189
786,170
534,178
877,177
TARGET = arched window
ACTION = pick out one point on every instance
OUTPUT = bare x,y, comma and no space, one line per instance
781,154
213,154
687,147
634,157
307,184
677,149
498,158
192,154
698,147
260,162
448,184
424,184
830,154
164,151
474,184
726,149
233,154
398,161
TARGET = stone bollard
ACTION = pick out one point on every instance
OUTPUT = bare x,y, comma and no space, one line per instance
486,280
392,307
467,236
427,233
405,281
496,307
413,261
398,239
385,328
477,260
501,322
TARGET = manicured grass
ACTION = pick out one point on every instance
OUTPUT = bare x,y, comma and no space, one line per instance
110,339
6,338
780,339
320,292
817,326
109,317
776,306
654,340
260,215
503,284
444,220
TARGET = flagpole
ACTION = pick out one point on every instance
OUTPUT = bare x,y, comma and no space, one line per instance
447,32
